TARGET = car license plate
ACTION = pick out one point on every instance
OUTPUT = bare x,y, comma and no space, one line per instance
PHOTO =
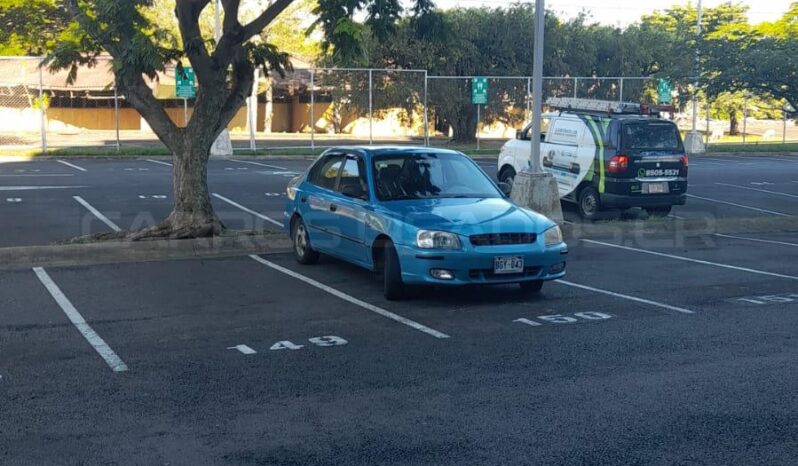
508,264
655,188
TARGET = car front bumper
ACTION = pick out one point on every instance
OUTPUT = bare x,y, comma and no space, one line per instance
474,266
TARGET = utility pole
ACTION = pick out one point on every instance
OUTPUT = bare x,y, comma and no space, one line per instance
532,187
693,140
537,85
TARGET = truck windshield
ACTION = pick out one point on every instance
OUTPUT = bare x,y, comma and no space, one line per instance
651,136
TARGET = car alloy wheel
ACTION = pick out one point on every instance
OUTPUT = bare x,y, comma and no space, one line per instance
303,252
588,203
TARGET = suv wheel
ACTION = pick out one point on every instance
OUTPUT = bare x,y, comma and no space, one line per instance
659,212
589,203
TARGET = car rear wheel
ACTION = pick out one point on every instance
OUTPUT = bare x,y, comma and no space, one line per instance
589,203
303,252
659,212
531,287
394,287
507,175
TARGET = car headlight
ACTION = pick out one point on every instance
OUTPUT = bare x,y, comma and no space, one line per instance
426,239
553,236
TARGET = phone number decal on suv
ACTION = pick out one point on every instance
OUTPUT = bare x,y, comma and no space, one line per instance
658,172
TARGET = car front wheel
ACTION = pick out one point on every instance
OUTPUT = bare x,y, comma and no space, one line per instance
303,252
392,274
507,175
531,287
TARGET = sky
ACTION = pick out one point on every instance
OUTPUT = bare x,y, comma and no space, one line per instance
624,12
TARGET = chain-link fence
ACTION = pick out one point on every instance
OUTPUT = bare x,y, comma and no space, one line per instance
321,107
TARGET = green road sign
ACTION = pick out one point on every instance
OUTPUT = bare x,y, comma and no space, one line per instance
664,90
184,83
479,91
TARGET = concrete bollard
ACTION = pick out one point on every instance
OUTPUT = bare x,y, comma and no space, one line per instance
539,192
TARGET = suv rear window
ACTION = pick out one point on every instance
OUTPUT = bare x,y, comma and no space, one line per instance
650,136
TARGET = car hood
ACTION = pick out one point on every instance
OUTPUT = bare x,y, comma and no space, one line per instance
467,216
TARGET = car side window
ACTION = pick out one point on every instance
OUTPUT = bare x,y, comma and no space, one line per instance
353,179
545,122
325,174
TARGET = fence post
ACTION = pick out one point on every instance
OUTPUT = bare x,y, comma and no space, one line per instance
528,99
576,82
620,95
116,115
479,118
371,108
185,112
784,125
709,120
312,109
426,109
252,111
42,111
745,116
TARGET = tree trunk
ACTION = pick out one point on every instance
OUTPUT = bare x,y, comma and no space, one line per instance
464,125
733,124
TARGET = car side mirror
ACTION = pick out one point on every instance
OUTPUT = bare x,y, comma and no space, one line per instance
353,191
506,188
519,134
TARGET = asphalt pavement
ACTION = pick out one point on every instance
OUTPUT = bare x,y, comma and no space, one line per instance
665,349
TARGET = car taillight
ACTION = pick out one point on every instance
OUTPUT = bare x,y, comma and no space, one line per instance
685,160
618,163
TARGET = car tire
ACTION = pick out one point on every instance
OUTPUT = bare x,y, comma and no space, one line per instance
507,175
303,251
659,212
589,203
394,287
531,287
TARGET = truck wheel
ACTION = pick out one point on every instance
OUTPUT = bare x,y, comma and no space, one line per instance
303,252
507,175
394,287
589,203
659,212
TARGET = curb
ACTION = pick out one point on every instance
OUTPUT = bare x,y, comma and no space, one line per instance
112,252
678,227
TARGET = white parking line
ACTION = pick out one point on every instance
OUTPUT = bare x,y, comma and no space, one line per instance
97,213
37,188
351,299
275,167
696,261
42,174
757,209
624,296
247,210
79,322
768,241
757,189
159,162
71,165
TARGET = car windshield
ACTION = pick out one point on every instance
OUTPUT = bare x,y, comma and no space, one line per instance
650,136
434,175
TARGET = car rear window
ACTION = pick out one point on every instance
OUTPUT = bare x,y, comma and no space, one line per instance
650,136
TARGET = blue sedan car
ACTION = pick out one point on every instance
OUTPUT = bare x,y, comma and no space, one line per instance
419,216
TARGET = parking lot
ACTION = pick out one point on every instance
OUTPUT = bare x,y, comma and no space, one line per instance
655,349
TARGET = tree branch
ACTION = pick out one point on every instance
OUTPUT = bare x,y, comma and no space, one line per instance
188,13
232,39
231,23
139,94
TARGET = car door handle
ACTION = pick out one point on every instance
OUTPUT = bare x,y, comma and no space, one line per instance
333,207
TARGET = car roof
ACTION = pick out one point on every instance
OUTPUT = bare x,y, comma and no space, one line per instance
371,151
